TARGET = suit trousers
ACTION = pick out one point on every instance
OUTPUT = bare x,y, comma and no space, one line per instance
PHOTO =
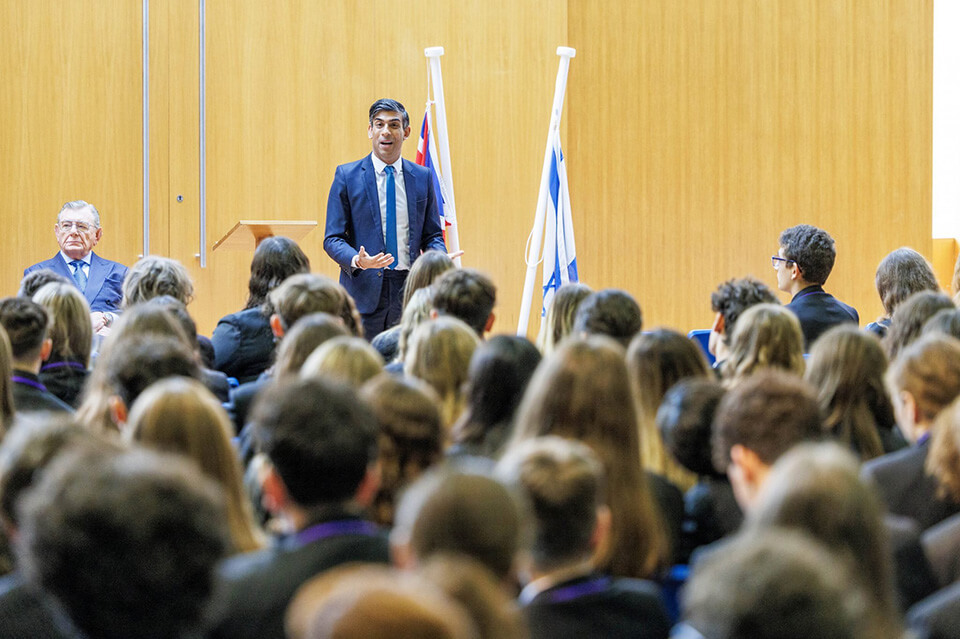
389,308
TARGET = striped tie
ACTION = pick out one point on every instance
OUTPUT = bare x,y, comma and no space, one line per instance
78,274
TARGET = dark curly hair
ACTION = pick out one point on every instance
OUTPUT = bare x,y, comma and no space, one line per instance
737,295
812,249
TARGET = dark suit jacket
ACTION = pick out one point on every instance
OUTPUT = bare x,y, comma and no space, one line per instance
104,283
905,487
65,380
353,220
256,588
243,344
626,608
818,311
28,398
24,614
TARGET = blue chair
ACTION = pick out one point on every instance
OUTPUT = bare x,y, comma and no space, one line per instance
702,338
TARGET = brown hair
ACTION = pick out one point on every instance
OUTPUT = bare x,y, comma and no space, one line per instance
902,273
943,460
411,436
766,336
425,269
656,361
582,391
350,360
6,384
907,323
179,415
306,335
153,276
846,367
307,293
439,354
71,331
928,369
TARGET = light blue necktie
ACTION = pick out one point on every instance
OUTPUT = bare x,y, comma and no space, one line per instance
391,230
78,274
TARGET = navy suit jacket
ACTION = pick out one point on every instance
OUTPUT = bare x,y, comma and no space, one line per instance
104,282
818,311
353,220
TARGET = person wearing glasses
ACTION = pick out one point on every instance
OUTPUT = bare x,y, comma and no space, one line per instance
803,263
101,281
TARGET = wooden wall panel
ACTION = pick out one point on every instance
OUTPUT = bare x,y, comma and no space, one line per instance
700,129
70,125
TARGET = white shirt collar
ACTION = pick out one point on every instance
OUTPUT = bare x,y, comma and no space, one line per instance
379,165
86,259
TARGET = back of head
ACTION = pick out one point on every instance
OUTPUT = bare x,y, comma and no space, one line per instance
35,280
816,489
116,516
153,276
145,360
415,312
928,369
766,336
735,296
347,359
768,413
902,273
307,293
943,459
473,515
609,312
178,311
499,372
425,270
776,585
846,367
685,421
659,359
320,437
439,353
812,249
558,322
6,383
907,323
275,259
466,294
945,322
411,435
306,336
374,602
563,482
70,331
26,323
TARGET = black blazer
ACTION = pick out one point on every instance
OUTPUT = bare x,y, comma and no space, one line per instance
818,311
256,588
24,614
243,344
65,380
28,398
624,608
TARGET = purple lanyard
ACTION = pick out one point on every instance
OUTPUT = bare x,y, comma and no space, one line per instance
335,529
76,365
575,591
29,382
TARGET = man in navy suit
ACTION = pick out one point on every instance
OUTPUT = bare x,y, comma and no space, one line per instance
803,264
78,231
381,214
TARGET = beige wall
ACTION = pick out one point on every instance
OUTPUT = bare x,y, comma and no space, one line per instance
694,131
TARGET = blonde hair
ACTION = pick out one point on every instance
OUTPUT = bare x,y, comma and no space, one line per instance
306,335
71,330
347,359
439,354
943,460
6,383
180,415
153,276
955,284
928,369
766,336
558,322
415,313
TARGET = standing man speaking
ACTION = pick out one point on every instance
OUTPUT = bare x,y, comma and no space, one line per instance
381,214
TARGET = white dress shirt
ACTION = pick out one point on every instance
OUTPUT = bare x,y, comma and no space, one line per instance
403,220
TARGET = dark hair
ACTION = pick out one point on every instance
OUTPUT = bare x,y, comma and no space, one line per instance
386,104
775,584
768,413
685,421
275,259
318,435
907,322
945,321
812,249
737,295
127,543
309,332
499,372
902,273
424,271
178,311
26,323
411,435
563,482
307,293
466,294
146,359
35,280
609,312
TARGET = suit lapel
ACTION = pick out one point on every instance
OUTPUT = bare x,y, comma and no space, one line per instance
414,214
370,186
98,273
59,266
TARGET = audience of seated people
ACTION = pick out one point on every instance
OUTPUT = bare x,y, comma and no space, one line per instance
521,491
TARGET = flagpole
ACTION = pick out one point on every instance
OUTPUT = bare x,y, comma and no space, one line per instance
446,172
536,238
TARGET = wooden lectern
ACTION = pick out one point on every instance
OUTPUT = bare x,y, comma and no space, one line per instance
246,235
